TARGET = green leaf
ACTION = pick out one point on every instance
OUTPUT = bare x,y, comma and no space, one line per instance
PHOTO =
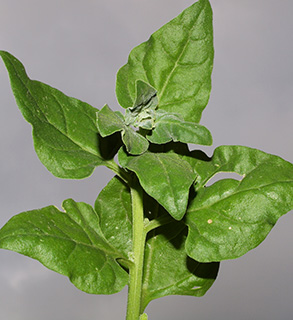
238,159
109,122
169,271
70,243
169,127
145,95
65,135
113,207
165,177
230,217
135,143
177,61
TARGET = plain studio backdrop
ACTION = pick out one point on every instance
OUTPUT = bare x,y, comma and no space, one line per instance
77,47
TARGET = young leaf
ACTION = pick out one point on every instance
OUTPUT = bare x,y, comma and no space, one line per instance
65,135
109,122
145,96
141,115
230,217
169,271
134,142
177,61
70,243
169,127
164,176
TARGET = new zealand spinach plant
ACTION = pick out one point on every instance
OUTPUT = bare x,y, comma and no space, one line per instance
156,227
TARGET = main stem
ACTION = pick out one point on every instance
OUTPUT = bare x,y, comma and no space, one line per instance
138,243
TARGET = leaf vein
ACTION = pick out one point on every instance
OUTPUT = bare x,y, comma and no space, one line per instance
179,57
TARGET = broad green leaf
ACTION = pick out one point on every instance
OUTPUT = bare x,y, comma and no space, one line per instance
169,127
70,243
230,217
164,176
64,131
109,122
169,271
113,207
177,61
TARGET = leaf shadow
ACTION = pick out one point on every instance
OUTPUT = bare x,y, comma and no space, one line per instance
204,270
176,147
175,233
109,146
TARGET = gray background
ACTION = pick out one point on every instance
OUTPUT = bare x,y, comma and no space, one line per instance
77,47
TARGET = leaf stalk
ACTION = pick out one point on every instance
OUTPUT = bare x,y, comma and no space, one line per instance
120,172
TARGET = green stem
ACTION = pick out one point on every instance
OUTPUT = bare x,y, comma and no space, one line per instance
138,241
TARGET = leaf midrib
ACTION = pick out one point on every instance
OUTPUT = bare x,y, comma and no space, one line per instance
161,93
239,192
114,254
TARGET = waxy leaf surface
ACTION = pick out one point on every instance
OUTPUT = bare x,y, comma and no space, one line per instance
65,135
177,61
164,176
70,243
169,271
231,217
